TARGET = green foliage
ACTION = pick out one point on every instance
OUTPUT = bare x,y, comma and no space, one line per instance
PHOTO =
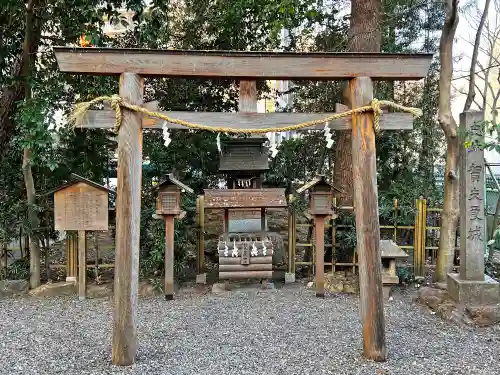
404,159
18,269
284,169
490,131
158,284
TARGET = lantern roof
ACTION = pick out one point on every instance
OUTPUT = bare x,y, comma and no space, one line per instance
389,249
171,180
318,180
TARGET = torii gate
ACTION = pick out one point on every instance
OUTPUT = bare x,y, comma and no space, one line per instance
358,68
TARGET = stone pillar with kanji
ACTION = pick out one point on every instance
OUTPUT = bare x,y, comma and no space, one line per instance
471,286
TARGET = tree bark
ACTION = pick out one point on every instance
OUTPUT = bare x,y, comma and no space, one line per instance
472,74
450,213
365,36
3,260
128,216
367,221
33,220
29,49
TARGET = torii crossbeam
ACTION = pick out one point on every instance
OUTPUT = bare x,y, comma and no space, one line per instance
358,68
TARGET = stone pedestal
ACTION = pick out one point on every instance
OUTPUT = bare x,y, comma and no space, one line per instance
289,278
471,286
473,292
201,278
386,290
390,253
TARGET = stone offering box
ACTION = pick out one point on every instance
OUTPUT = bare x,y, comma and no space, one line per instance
390,253
245,256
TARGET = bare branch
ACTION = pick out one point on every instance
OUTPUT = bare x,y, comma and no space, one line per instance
478,89
472,89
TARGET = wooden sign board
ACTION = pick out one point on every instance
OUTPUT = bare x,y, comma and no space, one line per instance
81,207
245,198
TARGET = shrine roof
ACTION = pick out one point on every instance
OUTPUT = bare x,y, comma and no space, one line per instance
244,155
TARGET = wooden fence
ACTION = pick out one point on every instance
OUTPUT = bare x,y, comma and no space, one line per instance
415,229
419,238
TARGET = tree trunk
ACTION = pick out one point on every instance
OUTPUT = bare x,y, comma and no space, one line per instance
8,97
33,219
450,213
3,260
26,246
365,36
29,49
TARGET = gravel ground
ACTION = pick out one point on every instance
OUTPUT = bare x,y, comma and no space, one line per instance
265,332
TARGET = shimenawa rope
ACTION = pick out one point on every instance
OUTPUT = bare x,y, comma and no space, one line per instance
117,103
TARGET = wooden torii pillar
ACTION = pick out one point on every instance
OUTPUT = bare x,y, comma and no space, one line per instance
132,64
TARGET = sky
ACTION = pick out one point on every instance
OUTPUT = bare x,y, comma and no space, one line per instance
463,47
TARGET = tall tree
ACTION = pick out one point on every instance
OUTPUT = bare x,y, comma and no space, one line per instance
28,72
364,36
450,213
32,37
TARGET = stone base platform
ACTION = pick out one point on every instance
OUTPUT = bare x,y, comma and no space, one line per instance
386,290
240,287
469,292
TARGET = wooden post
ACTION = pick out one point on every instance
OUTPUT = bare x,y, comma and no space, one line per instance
420,237
290,238
248,96
169,257
128,216
334,237
226,221
68,257
82,265
364,169
97,252
263,221
72,256
319,224
201,234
